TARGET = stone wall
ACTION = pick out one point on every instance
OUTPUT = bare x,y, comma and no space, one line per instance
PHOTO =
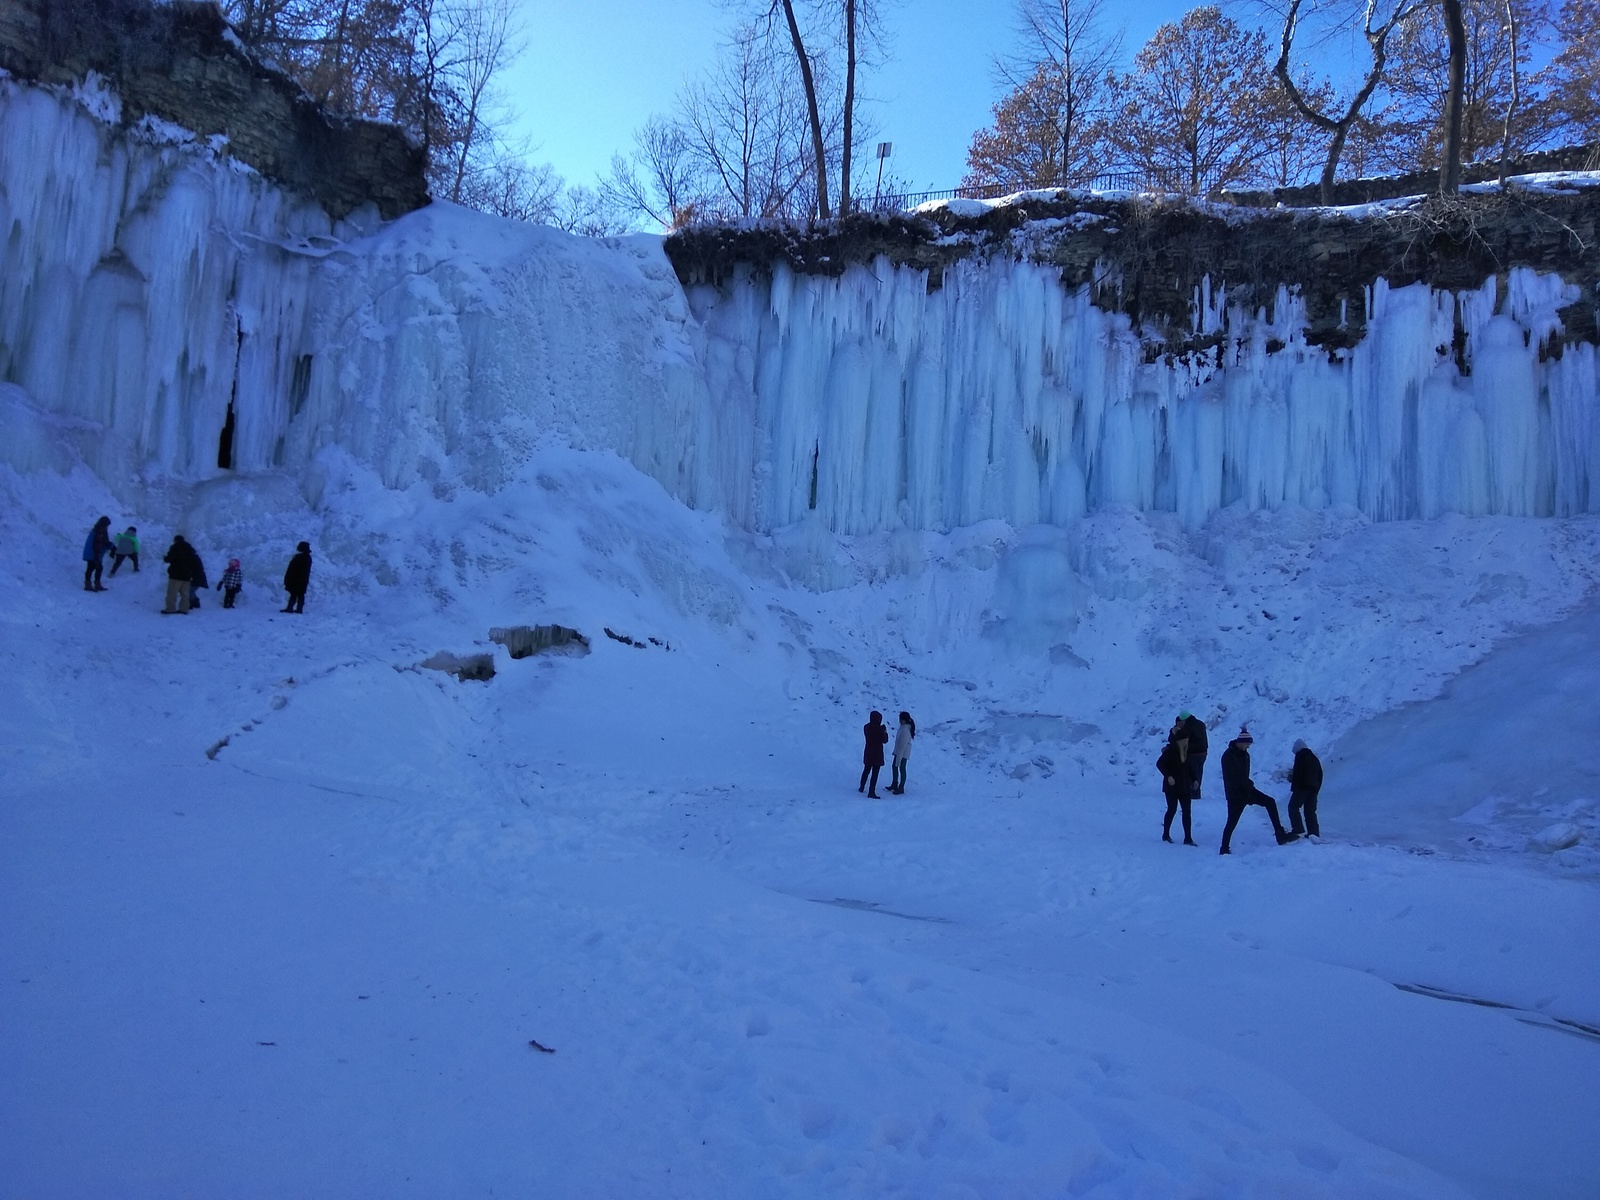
180,62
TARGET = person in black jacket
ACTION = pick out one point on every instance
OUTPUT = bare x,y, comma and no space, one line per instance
180,559
297,578
197,576
877,735
1176,783
1195,730
1305,781
1242,791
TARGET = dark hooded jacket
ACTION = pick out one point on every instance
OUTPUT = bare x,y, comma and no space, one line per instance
181,560
298,575
1195,730
1236,780
1306,778
1173,766
877,736
98,541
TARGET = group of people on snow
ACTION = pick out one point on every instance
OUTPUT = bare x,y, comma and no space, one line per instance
876,734
186,572
1182,763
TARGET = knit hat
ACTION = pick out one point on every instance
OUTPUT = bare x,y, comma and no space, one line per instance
305,547
1244,734
1299,746
1184,714
233,562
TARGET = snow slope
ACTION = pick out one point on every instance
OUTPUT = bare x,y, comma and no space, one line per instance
312,963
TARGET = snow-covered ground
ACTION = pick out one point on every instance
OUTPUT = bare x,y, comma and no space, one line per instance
285,913
312,963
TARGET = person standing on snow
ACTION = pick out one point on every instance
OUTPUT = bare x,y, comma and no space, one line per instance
1305,782
1177,783
1242,792
902,751
1194,729
94,552
197,576
876,734
232,583
180,559
297,578
125,545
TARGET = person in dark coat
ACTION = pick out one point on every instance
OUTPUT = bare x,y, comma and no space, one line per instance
1242,791
125,545
180,559
1194,729
197,576
877,736
1177,785
1305,782
94,553
298,578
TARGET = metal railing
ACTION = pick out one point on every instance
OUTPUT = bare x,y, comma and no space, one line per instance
1105,181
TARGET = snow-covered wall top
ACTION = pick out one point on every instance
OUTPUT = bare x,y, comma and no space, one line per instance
149,286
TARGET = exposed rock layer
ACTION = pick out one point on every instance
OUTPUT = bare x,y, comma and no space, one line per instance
179,61
1149,257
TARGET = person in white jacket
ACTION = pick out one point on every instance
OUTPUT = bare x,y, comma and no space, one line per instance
902,751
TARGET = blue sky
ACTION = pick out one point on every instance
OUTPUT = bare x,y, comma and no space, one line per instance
594,70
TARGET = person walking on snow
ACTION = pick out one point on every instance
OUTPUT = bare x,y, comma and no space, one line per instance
125,545
1305,781
180,559
1194,729
1176,783
1242,792
876,734
94,552
232,583
902,751
298,578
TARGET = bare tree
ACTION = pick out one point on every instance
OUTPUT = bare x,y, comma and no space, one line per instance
1414,121
1190,120
1380,20
1572,78
744,127
1454,98
808,80
1048,130
660,179
484,32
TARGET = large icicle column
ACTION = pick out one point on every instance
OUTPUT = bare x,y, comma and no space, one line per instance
145,287
876,401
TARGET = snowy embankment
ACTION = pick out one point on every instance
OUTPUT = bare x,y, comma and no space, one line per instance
280,911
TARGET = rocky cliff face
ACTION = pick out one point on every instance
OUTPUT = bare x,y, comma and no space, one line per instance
181,62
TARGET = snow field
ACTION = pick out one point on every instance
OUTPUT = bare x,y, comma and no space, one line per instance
755,981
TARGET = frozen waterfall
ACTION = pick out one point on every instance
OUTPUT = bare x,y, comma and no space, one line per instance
150,287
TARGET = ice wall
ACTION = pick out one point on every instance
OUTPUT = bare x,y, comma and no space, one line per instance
148,286
144,284
874,403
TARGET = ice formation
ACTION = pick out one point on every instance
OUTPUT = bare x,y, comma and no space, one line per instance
149,289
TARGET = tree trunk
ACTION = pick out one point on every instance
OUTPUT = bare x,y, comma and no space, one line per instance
1455,27
849,105
1516,91
817,146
